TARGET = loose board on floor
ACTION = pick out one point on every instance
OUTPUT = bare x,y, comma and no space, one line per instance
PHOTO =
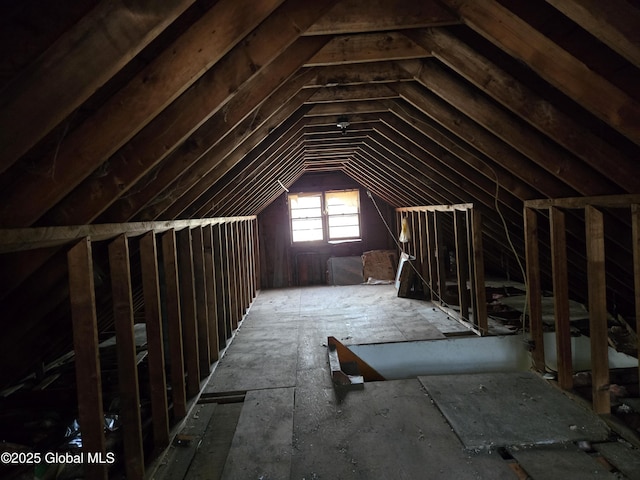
502,409
388,430
261,446
560,462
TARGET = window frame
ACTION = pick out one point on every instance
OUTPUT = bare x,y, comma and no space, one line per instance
325,217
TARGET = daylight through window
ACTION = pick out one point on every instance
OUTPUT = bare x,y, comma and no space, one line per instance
332,216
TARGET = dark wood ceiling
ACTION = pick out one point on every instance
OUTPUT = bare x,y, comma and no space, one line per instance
124,110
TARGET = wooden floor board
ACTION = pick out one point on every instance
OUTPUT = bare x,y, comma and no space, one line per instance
294,424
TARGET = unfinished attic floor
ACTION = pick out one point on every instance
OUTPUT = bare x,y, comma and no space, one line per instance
270,411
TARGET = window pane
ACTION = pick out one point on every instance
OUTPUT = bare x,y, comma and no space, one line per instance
343,220
347,201
344,232
306,217
306,213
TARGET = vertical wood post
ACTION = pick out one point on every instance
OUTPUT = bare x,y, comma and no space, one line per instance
242,260
212,293
174,321
252,259
126,354
188,313
439,257
431,255
87,360
462,265
532,253
478,269
598,330
231,244
561,297
200,291
424,253
221,288
155,342
473,297
635,227
257,279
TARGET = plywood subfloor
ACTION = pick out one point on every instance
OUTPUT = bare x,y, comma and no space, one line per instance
293,425
502,409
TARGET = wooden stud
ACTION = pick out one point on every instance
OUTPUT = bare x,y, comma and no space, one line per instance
202,315
221,287
439,257
174,322
231,242
598,331
471,271
534,295
478,268
462,261
561,297
126,354
257,282
431,252
212,293
635,226
155,341
87,359
188,307
424,252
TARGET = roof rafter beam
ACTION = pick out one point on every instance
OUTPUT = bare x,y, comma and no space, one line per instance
527,104
557,66
112,34
132,107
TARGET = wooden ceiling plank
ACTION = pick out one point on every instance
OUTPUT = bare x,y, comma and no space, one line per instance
532,108
131,108
199,119
515,132
612,22
367,47
75,66
357,16
554,64
485,142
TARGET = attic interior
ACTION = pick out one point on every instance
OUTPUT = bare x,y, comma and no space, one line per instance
153,156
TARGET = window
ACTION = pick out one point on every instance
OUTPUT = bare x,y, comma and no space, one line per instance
332,216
